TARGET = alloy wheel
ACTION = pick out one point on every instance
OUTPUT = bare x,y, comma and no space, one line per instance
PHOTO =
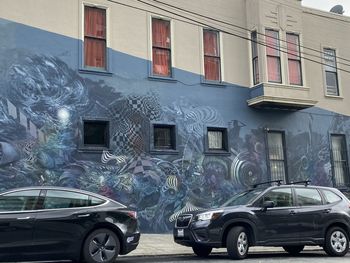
102,247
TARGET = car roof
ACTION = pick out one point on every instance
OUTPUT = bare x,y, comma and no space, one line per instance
46,187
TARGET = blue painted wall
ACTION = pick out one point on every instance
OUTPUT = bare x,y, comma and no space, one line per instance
39,76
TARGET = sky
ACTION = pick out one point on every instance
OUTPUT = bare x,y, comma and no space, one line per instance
326,5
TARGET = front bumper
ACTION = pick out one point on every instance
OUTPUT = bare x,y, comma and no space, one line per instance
193,235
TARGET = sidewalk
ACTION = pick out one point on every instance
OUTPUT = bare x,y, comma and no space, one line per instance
163,244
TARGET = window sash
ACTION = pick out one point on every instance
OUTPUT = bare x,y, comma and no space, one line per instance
255,58
272,43
294,61
276,156
332,83
95,44
294,69
274,69
96,134
340,162
215,140
164,138
212,59
161,47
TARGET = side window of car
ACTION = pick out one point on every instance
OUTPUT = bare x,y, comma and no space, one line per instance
308,197
282,197
331,197
64,199
19,201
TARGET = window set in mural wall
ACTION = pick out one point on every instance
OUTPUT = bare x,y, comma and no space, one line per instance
163,141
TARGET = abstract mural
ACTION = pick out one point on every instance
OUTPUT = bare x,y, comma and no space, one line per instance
43,102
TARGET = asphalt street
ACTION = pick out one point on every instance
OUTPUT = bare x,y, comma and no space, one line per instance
309,257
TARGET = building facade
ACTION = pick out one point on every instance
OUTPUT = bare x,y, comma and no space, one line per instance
170,106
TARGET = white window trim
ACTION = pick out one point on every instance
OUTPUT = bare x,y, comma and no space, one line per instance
302,64
250,54
221,52
82,4
340,96
150,46
282,58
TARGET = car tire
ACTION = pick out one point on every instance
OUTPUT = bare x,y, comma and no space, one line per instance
293,250
101,246
337,242
202,251
237,243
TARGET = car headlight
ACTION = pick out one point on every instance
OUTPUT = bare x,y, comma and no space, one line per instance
209,215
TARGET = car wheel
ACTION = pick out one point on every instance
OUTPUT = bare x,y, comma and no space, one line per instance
101,246
237,243
337,242
202,251
293,250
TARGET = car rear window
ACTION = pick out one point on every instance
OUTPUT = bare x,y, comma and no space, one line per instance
331,197
308,197
65,199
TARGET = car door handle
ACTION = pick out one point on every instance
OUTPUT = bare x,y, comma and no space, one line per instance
23,218
83,215
292,212
327,211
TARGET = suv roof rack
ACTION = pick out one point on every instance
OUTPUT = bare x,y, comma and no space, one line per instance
279,182
305,182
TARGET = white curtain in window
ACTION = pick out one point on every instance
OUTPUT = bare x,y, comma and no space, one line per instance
215,140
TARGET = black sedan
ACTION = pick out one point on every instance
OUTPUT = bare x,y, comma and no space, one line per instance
54,223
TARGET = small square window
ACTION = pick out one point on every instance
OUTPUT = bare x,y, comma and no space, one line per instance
164,137
217,139
96,134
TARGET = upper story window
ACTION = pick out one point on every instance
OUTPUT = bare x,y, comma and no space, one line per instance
294,61
277,162
96,134
331,72
95,44
273,56
161,47
340,160
255,62
212,61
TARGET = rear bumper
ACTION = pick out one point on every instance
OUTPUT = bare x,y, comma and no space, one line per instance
130,243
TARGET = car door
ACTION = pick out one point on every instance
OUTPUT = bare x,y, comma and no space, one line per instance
310,213
62,222
277,225
17,215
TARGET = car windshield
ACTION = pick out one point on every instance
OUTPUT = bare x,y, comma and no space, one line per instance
243,198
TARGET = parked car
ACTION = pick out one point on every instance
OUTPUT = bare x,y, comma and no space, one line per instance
53,223
290,216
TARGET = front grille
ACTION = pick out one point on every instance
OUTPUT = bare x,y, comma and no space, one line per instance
183,220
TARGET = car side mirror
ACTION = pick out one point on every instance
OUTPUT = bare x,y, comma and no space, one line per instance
268,204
